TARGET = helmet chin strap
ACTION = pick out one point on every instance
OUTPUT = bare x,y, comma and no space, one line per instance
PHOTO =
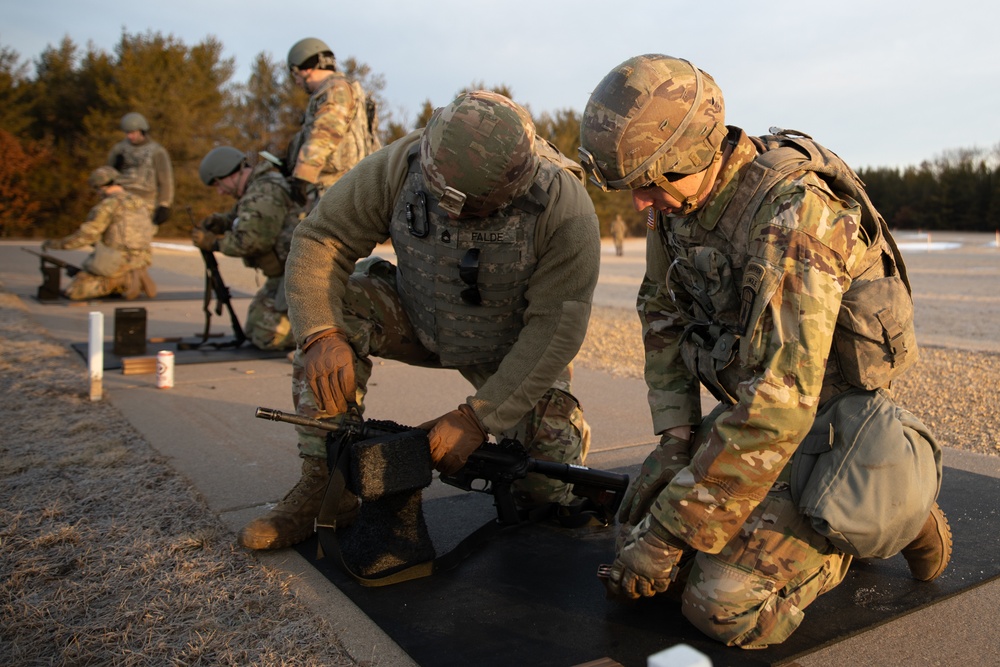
690,203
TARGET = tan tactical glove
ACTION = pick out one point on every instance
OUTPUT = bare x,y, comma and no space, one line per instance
328,360
646,563
204,239
453,436
670,456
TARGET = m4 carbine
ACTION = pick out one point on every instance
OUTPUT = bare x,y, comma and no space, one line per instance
492,468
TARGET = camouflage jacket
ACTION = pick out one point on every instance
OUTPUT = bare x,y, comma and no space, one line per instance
146,171
354,216
120,221
780,292
332,138
258,231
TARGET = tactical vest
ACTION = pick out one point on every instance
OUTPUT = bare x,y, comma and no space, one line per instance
138,171
131,230
359,141
723,297
440,260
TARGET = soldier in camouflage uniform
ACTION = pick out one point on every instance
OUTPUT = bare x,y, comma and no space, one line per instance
618,235
258,229
120,230
745,306
145,167
335,132
498,250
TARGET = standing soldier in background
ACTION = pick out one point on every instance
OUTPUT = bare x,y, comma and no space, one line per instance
773,282
120,230
258,229
618,234
144,166
498,253
339,125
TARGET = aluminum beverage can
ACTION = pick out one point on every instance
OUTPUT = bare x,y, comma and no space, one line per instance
164,369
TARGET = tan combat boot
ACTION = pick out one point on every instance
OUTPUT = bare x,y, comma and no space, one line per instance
292,520
928,554
147,284
130,285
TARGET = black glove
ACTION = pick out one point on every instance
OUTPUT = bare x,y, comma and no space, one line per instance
300,190
161,215
217,223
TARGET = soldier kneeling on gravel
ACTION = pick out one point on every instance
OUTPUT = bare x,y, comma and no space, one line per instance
498,251
121,231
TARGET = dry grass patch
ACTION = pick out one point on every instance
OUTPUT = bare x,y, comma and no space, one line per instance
107,556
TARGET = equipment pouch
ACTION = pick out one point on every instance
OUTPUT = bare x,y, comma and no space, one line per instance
867,474
874,339
104,261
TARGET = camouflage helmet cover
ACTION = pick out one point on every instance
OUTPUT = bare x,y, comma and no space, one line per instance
477,154
133,121
307,48
103,176
651,115
220,162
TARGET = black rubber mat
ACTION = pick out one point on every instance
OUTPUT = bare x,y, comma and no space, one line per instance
530,596
205,355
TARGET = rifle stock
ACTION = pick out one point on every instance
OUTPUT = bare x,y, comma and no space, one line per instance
71,269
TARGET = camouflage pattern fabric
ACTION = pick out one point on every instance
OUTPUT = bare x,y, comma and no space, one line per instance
146,171
85,286
752,594
377,325
618,234
259,220
766,311
481,145
333,134
651,106
267,327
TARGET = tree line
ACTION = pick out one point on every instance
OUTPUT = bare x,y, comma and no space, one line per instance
59,123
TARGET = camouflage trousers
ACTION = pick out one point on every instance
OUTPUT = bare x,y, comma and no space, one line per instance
752,594
377,325
89,286
267,327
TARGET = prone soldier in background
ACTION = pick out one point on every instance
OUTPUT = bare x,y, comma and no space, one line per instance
120,230
144,166
258,229
338,127
498,253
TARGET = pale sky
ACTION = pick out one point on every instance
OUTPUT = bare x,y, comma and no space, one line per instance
880,83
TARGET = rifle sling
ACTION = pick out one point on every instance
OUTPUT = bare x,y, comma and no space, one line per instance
326,531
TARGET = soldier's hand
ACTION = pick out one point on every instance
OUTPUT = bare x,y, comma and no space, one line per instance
302,190
204,239
217,223
646,562
328,360
453,436
50,244
670,456
160,215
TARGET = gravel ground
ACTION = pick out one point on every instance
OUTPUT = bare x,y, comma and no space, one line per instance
952,391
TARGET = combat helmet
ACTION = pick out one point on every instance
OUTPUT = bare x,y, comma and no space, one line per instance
103,176
220,162
133,121
650,116
477,154
310,53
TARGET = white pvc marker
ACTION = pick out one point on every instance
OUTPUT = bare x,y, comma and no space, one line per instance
95,355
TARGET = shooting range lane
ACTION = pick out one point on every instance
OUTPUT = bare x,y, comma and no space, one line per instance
205,355
530,595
